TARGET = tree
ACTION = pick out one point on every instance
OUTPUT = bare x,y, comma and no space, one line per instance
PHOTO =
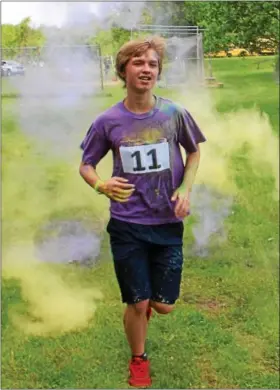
249,24
24,32
9,36
252,25
21,35
119,36
16,38
104,39
258,25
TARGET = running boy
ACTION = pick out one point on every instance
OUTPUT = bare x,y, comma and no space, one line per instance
148,191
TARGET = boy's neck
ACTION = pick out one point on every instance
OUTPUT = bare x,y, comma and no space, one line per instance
139,103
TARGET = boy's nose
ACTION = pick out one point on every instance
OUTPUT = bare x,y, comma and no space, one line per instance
146,68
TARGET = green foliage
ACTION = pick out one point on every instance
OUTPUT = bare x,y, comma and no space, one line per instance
120,36
17,37
110,40
104,39
9,35
21,35
252,25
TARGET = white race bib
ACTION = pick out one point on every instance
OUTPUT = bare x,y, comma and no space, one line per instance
145,158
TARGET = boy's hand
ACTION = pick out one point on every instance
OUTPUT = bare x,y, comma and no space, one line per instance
117,189
182,207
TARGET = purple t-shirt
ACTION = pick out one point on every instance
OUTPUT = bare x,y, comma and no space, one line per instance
146,151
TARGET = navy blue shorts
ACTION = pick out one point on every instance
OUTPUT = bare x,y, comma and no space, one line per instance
148,260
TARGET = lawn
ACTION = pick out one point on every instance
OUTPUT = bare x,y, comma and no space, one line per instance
224,331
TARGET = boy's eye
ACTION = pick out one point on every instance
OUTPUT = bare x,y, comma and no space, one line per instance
152,65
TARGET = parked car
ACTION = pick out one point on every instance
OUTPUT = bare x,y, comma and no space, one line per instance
11,67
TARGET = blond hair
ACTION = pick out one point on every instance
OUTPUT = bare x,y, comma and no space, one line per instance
136,48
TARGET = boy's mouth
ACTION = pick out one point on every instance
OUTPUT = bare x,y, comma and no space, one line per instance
145,78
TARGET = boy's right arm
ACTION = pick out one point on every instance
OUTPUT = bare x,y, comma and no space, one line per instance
116,188
95,146
89,174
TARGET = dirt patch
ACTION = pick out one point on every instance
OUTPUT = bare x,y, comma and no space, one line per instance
210,304
208,373
209,376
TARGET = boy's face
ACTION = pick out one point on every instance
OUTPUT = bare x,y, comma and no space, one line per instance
141,73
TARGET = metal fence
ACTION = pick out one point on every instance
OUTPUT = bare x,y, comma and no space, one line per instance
57,56
30,54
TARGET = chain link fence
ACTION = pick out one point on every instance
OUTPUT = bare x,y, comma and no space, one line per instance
66,59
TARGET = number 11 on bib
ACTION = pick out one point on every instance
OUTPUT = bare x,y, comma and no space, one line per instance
145,158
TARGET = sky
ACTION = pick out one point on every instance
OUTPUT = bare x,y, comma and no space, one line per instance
48,13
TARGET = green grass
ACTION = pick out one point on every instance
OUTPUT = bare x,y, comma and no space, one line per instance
248,82
224,331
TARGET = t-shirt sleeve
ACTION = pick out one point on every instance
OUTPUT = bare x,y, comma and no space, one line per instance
189,134
95,145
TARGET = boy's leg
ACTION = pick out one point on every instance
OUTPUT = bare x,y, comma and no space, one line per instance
166,274
136,330
135,324
130,256
162,308
166,262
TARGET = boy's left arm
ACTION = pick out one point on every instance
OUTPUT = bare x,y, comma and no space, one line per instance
189,136
182,194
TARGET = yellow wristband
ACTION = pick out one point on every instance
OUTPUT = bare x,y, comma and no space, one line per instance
97,184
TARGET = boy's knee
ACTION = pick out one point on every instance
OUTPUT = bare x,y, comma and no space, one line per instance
141,307
161,308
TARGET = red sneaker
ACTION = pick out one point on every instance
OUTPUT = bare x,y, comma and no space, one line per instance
139,373
149,313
